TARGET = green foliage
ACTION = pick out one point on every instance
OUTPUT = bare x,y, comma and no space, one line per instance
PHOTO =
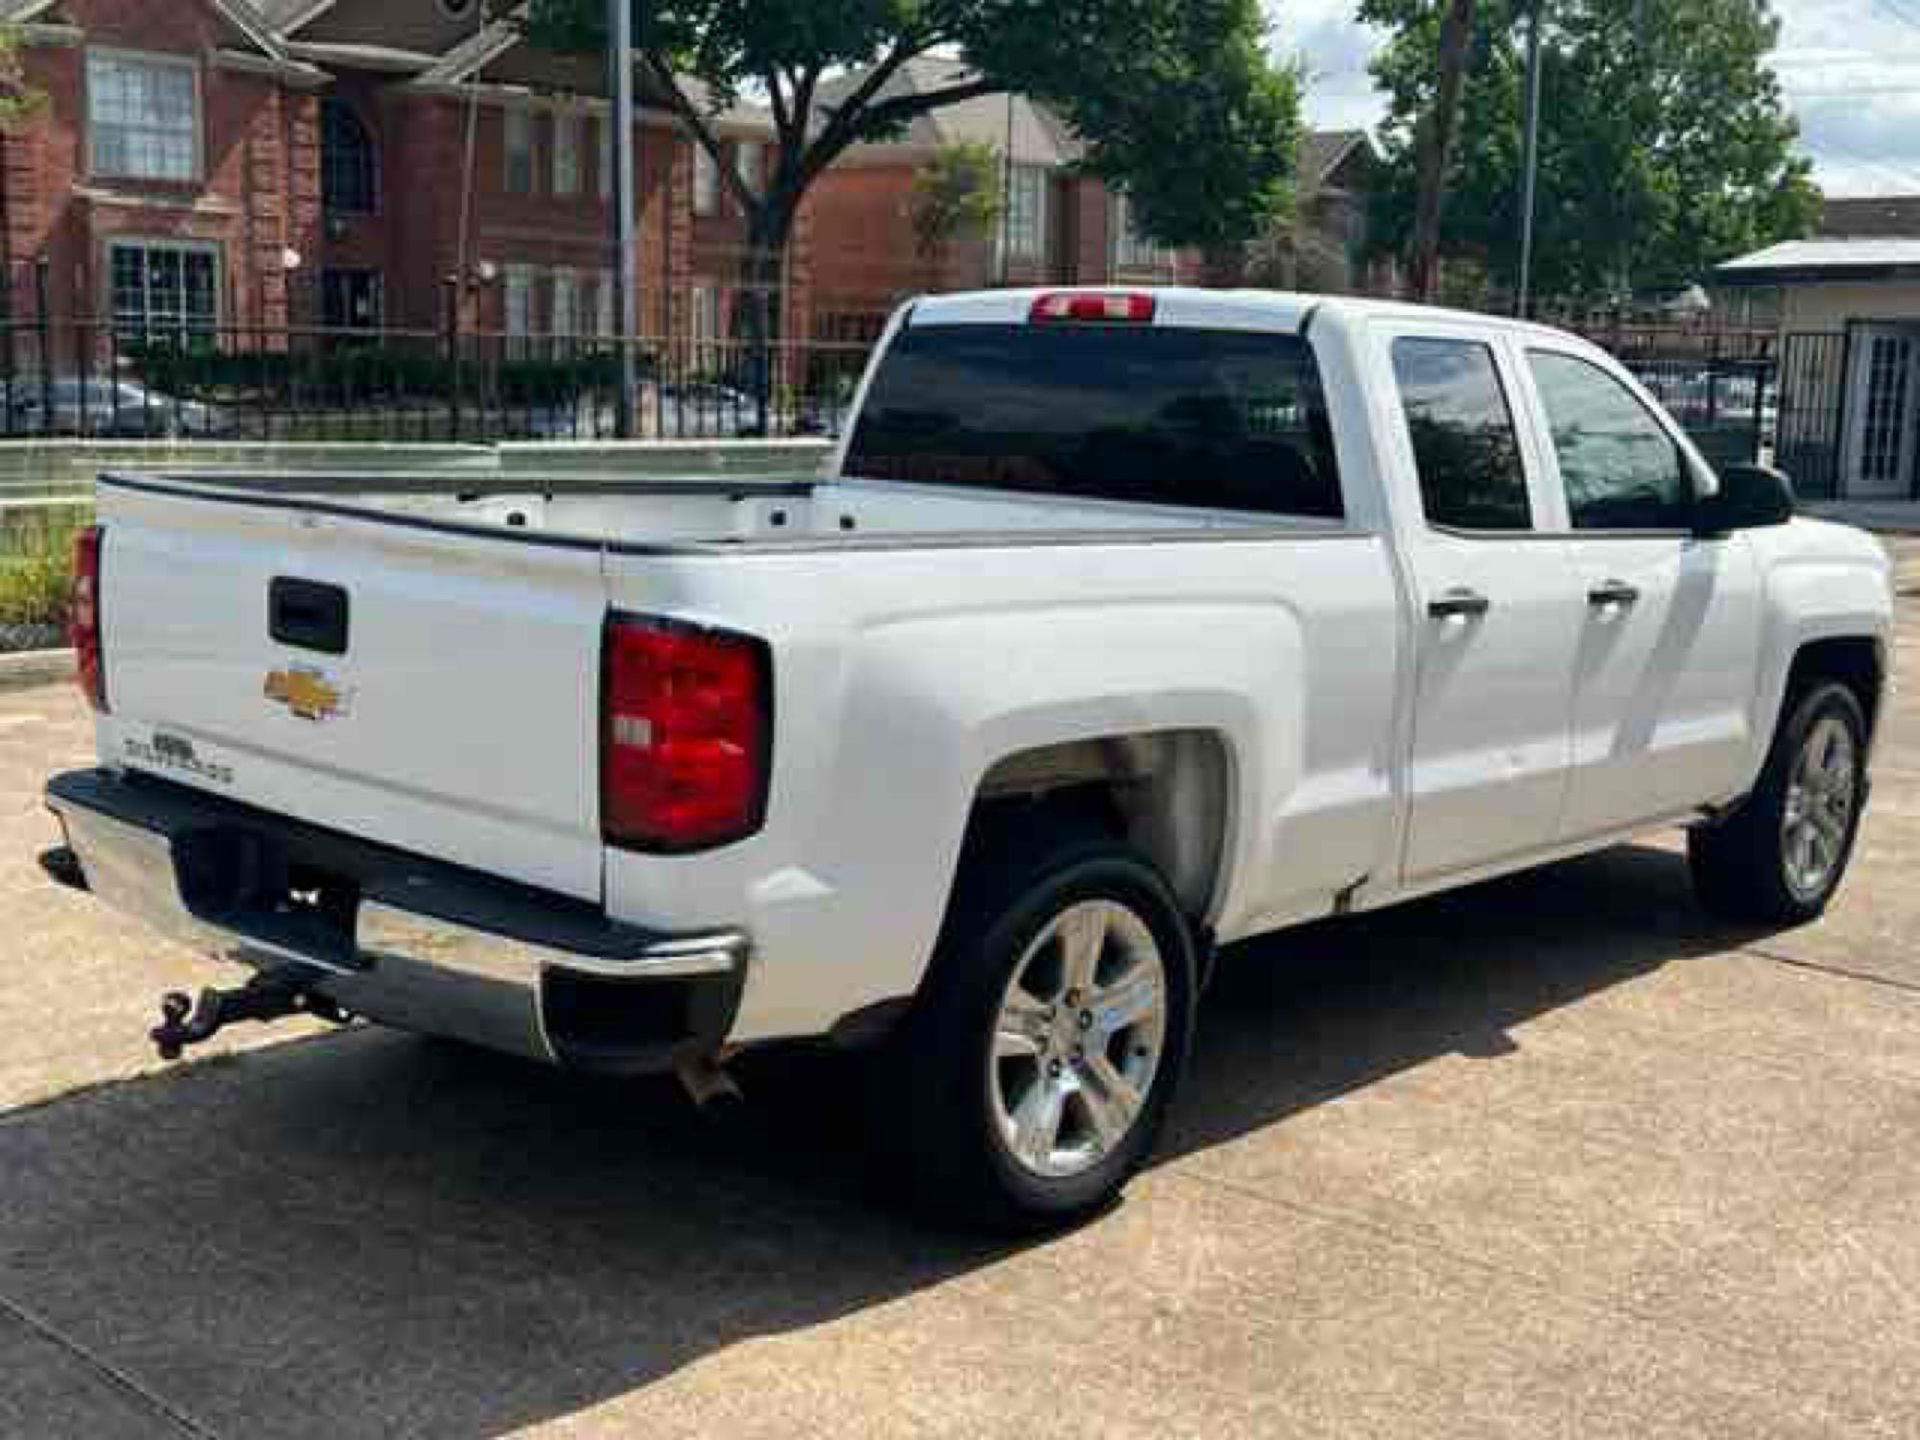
36,566
956,195
1665,145
1177,101
365,374
18,100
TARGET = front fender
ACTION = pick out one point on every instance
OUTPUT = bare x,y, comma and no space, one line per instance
1823,582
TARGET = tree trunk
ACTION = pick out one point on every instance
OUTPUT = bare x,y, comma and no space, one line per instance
1435,154
759,304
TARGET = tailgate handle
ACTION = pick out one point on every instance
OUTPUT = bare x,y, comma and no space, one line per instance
308,615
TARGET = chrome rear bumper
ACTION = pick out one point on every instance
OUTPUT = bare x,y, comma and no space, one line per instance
398,938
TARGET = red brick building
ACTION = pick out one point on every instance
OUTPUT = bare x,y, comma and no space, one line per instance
206,164
1059,226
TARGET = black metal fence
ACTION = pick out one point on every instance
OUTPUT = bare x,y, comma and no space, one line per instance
1813,367
1728,406
100,379
105,379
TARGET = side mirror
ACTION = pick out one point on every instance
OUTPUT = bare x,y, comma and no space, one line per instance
1751,497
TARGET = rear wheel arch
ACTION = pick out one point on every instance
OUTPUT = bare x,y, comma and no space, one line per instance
1169,794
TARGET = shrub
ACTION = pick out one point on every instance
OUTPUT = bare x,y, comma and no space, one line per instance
36,568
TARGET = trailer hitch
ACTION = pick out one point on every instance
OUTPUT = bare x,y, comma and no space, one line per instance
270,995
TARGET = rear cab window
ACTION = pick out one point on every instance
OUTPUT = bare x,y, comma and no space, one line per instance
1466,448
1160,415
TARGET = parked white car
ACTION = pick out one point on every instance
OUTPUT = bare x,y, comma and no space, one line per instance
1127,625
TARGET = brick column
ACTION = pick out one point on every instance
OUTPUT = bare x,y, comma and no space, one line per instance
260,285
303,189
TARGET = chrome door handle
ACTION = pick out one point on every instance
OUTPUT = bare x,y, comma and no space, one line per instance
1470,604
1613,592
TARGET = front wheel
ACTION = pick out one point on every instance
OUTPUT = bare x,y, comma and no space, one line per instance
1781,857
1051,1033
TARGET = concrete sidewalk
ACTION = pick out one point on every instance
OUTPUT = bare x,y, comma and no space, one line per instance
1557,1156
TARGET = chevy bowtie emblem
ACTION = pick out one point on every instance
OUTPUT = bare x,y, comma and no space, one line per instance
306,693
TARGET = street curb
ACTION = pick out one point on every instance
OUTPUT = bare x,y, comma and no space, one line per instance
29,668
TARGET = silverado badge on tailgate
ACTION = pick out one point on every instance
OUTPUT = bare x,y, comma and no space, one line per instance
307,693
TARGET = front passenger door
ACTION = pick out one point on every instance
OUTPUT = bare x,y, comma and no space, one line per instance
1670,641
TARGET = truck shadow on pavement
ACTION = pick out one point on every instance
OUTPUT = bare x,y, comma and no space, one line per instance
367,1234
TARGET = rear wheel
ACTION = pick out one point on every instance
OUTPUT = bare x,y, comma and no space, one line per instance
1781,857
1050,1035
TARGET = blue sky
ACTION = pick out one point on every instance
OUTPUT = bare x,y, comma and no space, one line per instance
1851,70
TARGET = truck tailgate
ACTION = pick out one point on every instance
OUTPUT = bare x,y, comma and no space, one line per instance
432,688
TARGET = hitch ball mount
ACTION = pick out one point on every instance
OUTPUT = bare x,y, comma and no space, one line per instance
270,995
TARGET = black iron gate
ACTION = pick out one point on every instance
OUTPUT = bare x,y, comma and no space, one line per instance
1813,384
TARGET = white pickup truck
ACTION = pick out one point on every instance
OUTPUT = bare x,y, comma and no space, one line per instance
1123,626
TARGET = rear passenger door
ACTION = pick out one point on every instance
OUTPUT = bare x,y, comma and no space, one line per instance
1670,638
1498,616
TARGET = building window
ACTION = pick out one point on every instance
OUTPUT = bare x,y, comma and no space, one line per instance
566,154
519,152
165,291
517,308
604,129
706,328
1027,212
565,317
750,163
706,182
143,117
348,184
1133,249
603,317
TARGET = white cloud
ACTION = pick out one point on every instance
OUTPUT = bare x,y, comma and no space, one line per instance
1858,102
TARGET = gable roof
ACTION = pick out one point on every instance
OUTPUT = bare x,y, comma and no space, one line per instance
1323,152
287,16
1874,217
242,15
1038,135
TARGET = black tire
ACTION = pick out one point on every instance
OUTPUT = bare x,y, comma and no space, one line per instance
1740,866
939,1105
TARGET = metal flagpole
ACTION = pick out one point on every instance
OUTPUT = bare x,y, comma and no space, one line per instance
626,268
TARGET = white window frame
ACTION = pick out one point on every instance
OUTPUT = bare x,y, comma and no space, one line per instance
704,326
564,292
706,182
157,61
750,163
1026,235
568,145
512,120
1131,250
518,323
148,244
605,323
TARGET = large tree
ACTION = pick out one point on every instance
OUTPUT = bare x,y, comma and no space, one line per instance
1177,100
1665,144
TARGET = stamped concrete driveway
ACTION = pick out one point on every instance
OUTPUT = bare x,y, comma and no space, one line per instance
1554,1157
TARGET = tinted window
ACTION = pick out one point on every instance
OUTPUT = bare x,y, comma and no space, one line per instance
1464,444
1204,418
1622,471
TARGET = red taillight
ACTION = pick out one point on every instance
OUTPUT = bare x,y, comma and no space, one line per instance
83,618
685,734
1082,305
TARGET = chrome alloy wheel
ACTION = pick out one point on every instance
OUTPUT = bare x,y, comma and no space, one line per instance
1081,1033
1821,795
